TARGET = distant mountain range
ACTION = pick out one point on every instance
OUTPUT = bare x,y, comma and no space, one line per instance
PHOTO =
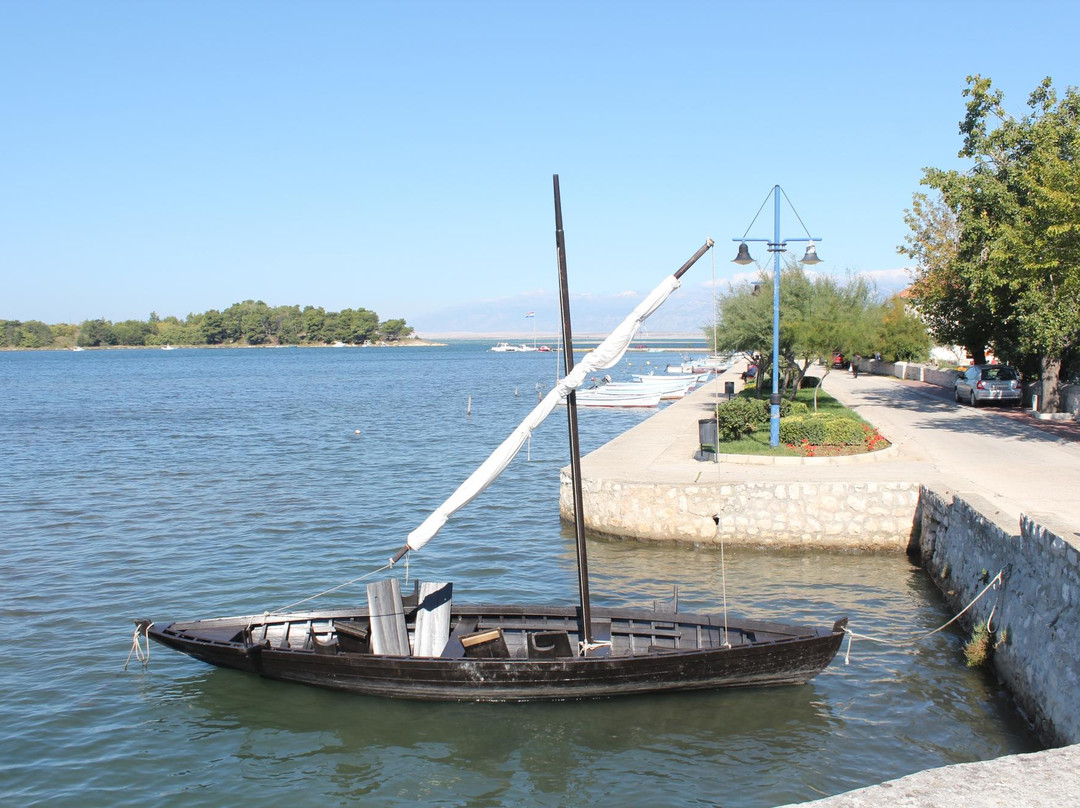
684,314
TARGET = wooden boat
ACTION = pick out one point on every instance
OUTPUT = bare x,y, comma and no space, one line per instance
532,653
425,646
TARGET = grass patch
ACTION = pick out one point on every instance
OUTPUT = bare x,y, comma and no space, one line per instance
756,443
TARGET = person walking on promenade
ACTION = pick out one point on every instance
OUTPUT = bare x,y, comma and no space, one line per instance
855,366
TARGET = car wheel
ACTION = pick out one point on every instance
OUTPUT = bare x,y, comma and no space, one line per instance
956,395
971,399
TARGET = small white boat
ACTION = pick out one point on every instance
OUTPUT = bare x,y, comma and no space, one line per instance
667,388
603,397
167,347
688,378
506,347
78,348
703,364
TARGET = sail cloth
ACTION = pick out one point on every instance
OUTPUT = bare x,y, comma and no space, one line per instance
604,356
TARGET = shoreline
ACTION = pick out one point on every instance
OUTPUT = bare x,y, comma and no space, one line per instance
412,343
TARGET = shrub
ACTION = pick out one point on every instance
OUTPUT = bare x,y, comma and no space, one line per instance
738,417
822,429
791,408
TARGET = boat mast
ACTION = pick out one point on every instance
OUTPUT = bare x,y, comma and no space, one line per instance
572,422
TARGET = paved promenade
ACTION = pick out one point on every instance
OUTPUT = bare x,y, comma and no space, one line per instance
1021,464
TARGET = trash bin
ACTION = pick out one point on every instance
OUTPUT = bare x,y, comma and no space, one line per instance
708,444
729,389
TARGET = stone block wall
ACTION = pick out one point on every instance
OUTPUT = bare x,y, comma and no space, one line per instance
827,515
1034,620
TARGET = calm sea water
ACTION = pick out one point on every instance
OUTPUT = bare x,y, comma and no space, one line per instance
198,483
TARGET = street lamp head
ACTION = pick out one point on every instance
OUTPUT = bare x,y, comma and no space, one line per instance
743,257
811,256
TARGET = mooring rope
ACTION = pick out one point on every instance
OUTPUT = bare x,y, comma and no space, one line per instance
141,655
901,643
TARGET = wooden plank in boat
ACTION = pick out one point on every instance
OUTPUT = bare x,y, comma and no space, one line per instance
389,634
432,619
453,648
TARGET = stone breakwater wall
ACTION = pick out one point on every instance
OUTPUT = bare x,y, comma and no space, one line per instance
1034,618
823,515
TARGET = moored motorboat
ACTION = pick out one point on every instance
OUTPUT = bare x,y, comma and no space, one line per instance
611,396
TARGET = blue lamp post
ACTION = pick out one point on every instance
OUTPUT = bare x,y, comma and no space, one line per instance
776,246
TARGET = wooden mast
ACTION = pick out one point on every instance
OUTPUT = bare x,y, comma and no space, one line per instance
572,422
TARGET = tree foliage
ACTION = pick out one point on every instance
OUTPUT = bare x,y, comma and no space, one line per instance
251,322
1009,267
818,316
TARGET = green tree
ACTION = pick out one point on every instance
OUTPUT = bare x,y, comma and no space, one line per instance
287,324
1017,216
314,324
28,334
817,316
94,333
943,288
357,326
394,330
901,335
133,332
211,327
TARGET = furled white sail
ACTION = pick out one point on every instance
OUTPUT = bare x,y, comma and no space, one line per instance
604,356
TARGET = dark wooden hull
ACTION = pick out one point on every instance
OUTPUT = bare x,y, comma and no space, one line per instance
649,652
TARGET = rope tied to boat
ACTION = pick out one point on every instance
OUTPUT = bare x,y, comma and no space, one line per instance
585,647
993,583
383,568
141,654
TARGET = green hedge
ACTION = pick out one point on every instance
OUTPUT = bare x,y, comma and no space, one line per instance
822,430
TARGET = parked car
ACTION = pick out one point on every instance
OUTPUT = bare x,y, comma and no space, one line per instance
981,384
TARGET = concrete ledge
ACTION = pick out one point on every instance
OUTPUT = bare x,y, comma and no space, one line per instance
1038,780
888,453
1055,416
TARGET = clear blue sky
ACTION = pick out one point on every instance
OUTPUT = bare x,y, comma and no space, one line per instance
182,156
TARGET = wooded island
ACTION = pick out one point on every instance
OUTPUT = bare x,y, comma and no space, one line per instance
249,323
